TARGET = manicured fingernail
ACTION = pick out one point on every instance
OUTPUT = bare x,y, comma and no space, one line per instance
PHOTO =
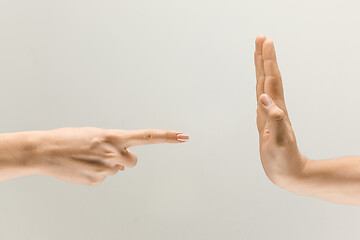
266,100
182,137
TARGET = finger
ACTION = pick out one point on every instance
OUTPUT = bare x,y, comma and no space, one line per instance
276,118
273,83
128,158
153,136
98,172
259,65
116,169
92,180
259,119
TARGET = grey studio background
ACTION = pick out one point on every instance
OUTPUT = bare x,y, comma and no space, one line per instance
184,65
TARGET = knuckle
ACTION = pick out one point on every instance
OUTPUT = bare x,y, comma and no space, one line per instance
93,181
148,135
110,158
277,114
113,135
114,171
274,81
100,170
95,141
270,78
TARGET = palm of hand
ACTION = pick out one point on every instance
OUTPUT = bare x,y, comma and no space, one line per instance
279,153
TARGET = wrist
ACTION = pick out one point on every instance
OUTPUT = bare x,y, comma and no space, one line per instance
38,151
18,154
29,151
291,179
299,183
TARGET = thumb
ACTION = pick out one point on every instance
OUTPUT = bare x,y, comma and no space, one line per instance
276,118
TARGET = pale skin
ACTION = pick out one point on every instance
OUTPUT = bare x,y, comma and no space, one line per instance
88,155
336,180
77,155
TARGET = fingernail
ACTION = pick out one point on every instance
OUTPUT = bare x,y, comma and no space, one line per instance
266,100
182,137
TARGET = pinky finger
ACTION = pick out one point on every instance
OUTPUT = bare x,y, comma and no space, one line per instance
115,169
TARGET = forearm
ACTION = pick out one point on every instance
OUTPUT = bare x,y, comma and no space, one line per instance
336,180
17,153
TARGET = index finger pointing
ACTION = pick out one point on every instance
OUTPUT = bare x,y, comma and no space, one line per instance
153,136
